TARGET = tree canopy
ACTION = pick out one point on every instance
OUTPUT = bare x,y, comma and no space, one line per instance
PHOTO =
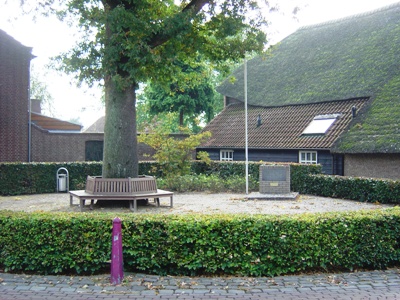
191,100
126,42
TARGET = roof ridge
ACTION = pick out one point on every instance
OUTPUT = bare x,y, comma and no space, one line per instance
363,98
355,16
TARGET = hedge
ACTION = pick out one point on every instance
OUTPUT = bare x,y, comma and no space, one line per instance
38,178
354,188
256,245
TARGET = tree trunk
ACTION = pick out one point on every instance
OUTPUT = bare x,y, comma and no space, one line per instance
120,158
181,118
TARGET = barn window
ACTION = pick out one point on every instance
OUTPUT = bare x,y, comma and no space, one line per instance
308,157
226,155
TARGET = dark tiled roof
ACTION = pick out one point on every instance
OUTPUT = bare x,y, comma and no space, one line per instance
281,127
53,124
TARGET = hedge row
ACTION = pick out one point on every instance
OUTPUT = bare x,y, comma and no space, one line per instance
37,178
354,188
258,245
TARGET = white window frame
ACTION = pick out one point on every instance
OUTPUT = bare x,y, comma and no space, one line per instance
308,157
226,155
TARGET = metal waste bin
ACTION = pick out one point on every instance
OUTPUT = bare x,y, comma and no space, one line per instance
62,180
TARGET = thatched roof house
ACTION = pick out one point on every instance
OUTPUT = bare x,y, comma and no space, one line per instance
342,61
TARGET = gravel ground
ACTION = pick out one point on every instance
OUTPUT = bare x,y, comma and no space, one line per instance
193,203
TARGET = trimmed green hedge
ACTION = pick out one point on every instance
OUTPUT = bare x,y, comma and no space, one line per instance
354,188
258,245
38,178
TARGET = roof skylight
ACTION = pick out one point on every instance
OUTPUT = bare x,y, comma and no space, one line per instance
321,124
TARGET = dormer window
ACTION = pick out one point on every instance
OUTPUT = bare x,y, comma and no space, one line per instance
320,124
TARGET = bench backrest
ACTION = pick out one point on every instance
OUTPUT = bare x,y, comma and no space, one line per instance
142,184
97,185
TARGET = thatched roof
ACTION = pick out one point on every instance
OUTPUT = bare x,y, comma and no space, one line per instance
353,57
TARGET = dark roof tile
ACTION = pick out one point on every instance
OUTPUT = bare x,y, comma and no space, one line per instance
281,127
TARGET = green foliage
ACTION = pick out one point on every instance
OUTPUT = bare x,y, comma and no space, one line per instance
207,183
193,244
51,243
146,40
189,98
354,188
37,178
173,155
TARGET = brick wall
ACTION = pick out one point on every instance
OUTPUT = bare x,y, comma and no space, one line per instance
14,98
69,147
372,165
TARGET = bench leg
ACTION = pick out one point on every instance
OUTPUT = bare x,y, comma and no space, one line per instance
171,201
82,204
70,200
157,201
134,204
91,204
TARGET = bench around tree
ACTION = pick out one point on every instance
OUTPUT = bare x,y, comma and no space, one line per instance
131,189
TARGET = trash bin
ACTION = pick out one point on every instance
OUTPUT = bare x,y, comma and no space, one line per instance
62,180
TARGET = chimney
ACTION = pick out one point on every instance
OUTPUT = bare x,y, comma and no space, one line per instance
353,111
35,106
259,122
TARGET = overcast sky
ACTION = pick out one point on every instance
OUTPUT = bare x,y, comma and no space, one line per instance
49,37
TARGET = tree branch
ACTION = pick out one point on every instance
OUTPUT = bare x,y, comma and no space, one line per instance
187,13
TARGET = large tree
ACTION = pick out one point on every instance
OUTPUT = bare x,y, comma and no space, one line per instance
131,41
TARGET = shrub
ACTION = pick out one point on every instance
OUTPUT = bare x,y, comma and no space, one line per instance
354,188
208,183
193,244
174,156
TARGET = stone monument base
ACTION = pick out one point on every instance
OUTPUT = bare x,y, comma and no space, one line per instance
259,196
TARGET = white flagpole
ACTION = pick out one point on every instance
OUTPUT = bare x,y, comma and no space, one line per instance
246,134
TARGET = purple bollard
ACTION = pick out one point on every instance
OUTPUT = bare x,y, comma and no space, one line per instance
117,272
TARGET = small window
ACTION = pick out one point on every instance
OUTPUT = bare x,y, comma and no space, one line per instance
321,124
308,157
226,155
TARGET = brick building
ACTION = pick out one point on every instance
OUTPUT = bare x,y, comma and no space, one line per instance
14,98
47,139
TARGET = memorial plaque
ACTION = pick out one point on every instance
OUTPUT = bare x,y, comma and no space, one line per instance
274,174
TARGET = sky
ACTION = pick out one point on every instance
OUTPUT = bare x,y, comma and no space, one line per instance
49,37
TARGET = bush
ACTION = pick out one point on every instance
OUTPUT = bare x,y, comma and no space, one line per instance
207,183
354,188
37,178
193,244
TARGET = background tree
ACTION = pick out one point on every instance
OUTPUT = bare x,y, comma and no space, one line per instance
126,42
185,98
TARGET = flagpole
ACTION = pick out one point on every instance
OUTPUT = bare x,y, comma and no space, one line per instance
246,134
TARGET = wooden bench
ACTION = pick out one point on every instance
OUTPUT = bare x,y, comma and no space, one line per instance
132,189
